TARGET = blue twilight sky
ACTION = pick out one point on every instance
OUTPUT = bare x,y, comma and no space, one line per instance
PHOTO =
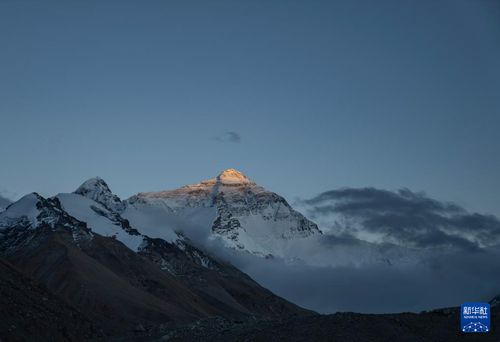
302,96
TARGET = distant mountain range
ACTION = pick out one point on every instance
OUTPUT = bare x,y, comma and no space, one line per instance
93,253
88,265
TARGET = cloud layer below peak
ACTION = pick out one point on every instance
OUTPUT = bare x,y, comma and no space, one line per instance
381,251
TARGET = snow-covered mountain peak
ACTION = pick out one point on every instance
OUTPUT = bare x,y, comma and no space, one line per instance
231,206
229,182
233,176
96,189
4,203
33,211
26,207
93,185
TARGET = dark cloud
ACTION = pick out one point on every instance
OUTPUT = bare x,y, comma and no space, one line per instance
228,136
370,199
409,218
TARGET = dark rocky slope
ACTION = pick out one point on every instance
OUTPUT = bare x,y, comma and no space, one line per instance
439,325
30,312
123,291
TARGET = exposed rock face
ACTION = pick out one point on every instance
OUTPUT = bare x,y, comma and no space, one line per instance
33,213
97,190
245,215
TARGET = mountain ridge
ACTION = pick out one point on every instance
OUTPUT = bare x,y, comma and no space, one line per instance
98,262
244,215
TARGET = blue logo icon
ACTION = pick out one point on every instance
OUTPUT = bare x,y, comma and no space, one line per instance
475,317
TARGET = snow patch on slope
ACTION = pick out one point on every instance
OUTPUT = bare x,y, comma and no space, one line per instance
160,221
81,208
25,208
